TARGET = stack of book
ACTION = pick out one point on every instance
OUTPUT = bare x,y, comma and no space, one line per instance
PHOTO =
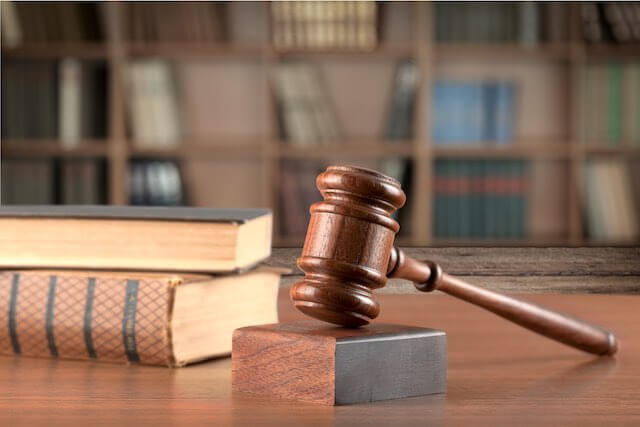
36,22
611,104
609,203
306,112
324,25
473,113
612,22
156,286
480,198
175,22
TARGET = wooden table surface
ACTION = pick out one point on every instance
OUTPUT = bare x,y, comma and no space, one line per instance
499,374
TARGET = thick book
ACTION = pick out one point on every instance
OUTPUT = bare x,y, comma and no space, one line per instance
151,319
134,238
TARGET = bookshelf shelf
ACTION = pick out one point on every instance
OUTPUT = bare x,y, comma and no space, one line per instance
625,149
446,51
613,51
382,51
53,148
349,149
201,151
559,150
85,50
194,50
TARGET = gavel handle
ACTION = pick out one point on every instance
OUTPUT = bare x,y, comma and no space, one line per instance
428,276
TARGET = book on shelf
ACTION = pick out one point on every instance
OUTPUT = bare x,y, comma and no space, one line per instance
306,112
175,22
297,193
400,120
131,317
480,199
610,22
154,182
493,22
133,238
473,113
63,100
609,201
37,22
27,181
611,103
83,182
29,99
401,170
52,181
324,25
153,105
82,98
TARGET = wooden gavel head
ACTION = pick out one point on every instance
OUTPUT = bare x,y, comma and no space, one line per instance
348,245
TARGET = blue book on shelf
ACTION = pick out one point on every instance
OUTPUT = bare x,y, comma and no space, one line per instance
489,109
478,113
504,112
437,111
439,208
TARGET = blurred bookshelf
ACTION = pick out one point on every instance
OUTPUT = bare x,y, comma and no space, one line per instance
379,84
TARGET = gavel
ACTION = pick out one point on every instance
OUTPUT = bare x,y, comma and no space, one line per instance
348,252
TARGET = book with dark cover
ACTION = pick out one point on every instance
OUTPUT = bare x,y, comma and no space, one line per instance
400,122
151,319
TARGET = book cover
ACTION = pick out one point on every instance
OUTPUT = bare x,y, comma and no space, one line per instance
151,319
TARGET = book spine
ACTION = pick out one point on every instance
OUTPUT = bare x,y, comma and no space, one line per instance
614,104
529,24
70,102
83,318
11,28
503,114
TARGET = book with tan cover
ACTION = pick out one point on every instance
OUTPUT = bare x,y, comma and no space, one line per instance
134,238
146,318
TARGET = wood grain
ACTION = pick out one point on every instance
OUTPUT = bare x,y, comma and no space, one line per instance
518,270
530,381
312,361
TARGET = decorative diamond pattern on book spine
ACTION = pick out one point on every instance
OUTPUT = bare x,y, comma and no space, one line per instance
85,317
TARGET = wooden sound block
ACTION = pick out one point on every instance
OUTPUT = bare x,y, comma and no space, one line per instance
316,362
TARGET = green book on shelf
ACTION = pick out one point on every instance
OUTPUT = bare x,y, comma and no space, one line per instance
499,177
476,196
614,107
451,198
490,201
439,206
464,209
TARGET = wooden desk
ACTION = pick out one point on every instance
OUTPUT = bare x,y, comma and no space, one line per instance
498,374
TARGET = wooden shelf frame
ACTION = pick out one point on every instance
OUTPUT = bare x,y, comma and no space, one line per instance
268,151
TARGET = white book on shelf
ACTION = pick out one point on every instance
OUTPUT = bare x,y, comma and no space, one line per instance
298,127
11,29
70,101
329,130
626,220
138,105
166,125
